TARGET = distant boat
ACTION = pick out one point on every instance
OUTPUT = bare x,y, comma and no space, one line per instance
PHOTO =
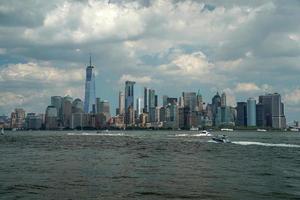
194,129
261,130
2,131
221,139
294,129
227,129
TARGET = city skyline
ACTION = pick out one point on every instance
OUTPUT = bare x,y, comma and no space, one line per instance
208,45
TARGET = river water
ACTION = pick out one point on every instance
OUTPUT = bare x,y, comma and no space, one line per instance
149,165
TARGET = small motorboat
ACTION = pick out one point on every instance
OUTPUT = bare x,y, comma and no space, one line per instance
221,139
2,131
206,133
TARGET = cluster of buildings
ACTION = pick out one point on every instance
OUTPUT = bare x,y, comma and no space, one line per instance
188,111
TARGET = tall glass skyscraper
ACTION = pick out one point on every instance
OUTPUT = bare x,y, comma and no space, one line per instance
90,89
129,102
251,112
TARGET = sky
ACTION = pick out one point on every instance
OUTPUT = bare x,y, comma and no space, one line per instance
245,48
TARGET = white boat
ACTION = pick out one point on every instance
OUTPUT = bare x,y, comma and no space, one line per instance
294,129
221,139
194,129
261,130
204,133
227,129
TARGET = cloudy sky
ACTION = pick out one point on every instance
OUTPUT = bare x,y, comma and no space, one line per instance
244,48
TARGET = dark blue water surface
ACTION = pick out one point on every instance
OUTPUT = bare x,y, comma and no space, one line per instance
149,165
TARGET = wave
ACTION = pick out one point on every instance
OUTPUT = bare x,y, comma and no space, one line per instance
98,134
266,144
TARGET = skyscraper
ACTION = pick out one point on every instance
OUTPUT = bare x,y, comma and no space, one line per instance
251,112
121,103
129,102
146,104
90,89
216,102
151,101
223,99
67,111
139,106
241,114
273,110
190,100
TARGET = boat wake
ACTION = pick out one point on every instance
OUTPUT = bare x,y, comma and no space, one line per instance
192,135
266,144
98,134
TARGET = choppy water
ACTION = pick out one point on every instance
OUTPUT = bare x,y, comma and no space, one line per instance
148,165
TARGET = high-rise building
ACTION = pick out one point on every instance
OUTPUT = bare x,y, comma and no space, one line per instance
190,100
151,99
121,103
146,103
273,110
51,118
199,102
18,119
251,112
139,106
165,100
260,115
216,102
241,114
77,106
90,89
223,99
67,111
98,102
105,108
129,102
33,121
56,101
156,100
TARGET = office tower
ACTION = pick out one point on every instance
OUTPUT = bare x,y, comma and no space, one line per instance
67,111
151,99
156,101
241,114
260,115
199,102
171,100
77,106
165,100
139,106
223,99
129,102
105,108
216,102
51,118
98,100
90,89
251,112
146,104
273,110
33,121
56,101
190,100
224,116
18,119
121,103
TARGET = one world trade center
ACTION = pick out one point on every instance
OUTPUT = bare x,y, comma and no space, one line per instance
90,90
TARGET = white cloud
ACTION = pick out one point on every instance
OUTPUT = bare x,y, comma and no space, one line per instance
137,79
33,72
292,97
246,87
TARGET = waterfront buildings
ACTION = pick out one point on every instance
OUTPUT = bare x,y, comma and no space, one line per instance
17,119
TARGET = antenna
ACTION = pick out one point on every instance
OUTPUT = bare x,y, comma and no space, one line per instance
90,59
